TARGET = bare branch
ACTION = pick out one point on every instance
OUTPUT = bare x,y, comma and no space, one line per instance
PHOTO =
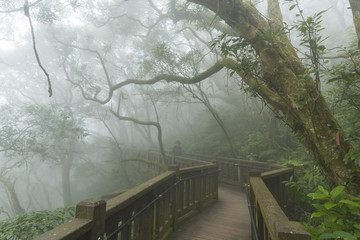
156,124
168,78
27,14
102,62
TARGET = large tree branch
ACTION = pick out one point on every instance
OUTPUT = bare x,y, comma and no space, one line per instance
288,87
204,17
162,77
275,15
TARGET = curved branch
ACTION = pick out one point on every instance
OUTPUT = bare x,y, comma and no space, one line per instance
154,7
156,124
195,35
166,77
26,9
21,133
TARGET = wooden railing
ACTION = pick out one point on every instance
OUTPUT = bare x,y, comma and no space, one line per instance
155,208
151,210
236,171
267,194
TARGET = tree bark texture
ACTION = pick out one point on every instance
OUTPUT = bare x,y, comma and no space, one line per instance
296,98
355,7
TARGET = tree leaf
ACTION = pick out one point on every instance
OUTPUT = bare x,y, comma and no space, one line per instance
336,192
292,7
317,196
329,205
317,214
327,236
344,235
322,189
348,202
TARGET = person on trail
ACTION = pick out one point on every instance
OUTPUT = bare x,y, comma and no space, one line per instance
177,148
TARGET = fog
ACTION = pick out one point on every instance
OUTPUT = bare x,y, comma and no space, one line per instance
102,58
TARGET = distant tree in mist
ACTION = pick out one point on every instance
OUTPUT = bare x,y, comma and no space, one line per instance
253,47
49,133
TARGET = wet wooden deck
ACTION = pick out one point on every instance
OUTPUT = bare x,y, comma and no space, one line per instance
225,220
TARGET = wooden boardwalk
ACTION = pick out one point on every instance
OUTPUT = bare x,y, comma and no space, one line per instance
225,220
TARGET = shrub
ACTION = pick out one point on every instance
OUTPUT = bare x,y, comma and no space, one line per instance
29,225
339,213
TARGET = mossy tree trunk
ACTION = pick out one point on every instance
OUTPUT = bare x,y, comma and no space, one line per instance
295,98
355,7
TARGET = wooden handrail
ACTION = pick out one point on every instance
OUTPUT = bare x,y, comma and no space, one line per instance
179,194
169,199
271,221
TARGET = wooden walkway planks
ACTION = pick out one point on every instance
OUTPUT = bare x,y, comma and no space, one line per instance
227,219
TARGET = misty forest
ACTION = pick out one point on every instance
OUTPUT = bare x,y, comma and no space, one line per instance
84,82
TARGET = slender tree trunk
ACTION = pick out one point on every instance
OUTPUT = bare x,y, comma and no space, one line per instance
284,87
205,100
45,191
12,195
355,7
66,166
223,128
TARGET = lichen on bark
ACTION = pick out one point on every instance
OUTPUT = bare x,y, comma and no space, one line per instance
283,72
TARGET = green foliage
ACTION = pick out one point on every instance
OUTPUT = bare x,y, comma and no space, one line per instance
345,98
249,134
28,226
309,30
45,130
255,147
163,60
240,50
55,130
340,214
307,181
45,14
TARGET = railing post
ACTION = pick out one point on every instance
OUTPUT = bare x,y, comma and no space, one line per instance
93,209
237,169
256,212
202,190
176,169
216,181
270,163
